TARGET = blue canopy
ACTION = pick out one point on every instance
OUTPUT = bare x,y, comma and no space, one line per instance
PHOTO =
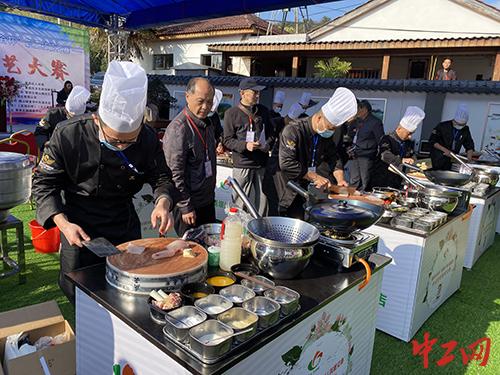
141,14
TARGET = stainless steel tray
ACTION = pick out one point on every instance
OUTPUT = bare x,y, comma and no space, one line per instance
186,348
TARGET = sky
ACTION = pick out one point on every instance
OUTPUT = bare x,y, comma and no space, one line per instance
336,9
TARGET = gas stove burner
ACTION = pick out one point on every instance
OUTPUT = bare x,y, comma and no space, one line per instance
338,236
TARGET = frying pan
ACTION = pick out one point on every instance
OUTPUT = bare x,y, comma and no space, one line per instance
344,216
447,178
479,175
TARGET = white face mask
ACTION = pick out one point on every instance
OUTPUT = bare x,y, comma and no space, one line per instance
278,109
458,126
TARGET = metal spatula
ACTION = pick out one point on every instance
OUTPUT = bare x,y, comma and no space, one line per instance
101,247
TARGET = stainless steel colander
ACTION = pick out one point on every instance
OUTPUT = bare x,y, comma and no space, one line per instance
282,246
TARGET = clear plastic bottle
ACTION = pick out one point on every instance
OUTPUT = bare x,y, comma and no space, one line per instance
230,245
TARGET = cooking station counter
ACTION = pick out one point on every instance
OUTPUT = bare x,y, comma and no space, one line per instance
113,327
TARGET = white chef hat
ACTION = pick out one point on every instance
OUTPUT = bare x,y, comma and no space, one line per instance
295,111
279,97
341,107
77,100
305,98
123,96
462,114
217,99
412,118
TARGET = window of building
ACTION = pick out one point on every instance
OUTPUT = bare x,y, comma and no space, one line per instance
213,60
418,69
163,62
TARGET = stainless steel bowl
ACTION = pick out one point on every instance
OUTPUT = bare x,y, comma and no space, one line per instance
257,288
237,294
210,330
181,320
240,319
440,202
267,310
213,305
281,263
402,221
423,226
286,297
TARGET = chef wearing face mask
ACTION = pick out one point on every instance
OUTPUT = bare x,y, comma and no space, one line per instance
100,161
396,148
307,152
451,136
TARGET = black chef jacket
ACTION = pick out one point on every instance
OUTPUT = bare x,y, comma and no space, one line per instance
47,124
444,133
98,184
296,156
391,151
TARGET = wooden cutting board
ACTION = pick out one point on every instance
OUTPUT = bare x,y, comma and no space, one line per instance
144,264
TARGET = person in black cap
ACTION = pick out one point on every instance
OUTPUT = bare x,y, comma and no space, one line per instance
249,134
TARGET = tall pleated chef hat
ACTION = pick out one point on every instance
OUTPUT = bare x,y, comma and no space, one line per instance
341,107
305,98
412,118
279,97
123,96
217,99
295,111
77,100
462,114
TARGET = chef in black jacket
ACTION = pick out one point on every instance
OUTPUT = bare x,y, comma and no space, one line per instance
100,161
75,105
308,154
451,136
396,148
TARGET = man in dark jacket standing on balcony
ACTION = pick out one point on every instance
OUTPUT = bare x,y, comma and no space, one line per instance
189,145
366,133
249,134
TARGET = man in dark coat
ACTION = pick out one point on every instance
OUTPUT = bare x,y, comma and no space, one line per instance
451,136
396,148
99,162
366,133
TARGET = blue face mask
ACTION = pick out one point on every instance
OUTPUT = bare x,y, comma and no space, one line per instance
326,133
113,148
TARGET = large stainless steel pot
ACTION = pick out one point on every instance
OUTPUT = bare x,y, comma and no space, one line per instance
15,181
282,246
434,197
480,175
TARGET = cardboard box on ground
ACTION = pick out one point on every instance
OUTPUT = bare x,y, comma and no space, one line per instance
44,319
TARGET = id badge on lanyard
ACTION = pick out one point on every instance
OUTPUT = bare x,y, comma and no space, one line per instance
312,167
208,167
456,134
250,137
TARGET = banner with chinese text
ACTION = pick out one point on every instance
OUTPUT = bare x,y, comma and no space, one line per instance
42,56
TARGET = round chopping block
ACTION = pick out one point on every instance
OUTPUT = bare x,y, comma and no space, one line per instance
140,274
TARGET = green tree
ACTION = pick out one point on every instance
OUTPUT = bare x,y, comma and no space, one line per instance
332,68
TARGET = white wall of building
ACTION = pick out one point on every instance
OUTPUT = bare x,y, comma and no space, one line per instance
190,50
478,112
410,19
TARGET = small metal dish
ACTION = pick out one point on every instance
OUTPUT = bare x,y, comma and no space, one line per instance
178,322
267,310
157,314
422,225
240,319
402,221
245,268
213,305
258,288
211,279
193,291
210,330
286,297
237,294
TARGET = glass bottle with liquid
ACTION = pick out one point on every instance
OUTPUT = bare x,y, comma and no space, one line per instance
230,245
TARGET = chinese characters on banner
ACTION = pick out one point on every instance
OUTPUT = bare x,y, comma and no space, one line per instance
477,351
41,56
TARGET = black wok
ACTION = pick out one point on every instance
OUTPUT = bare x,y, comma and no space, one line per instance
343,216
447,178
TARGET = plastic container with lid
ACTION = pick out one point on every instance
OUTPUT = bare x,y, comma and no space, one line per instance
230,246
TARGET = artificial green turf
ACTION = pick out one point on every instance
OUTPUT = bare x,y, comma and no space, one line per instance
472,313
